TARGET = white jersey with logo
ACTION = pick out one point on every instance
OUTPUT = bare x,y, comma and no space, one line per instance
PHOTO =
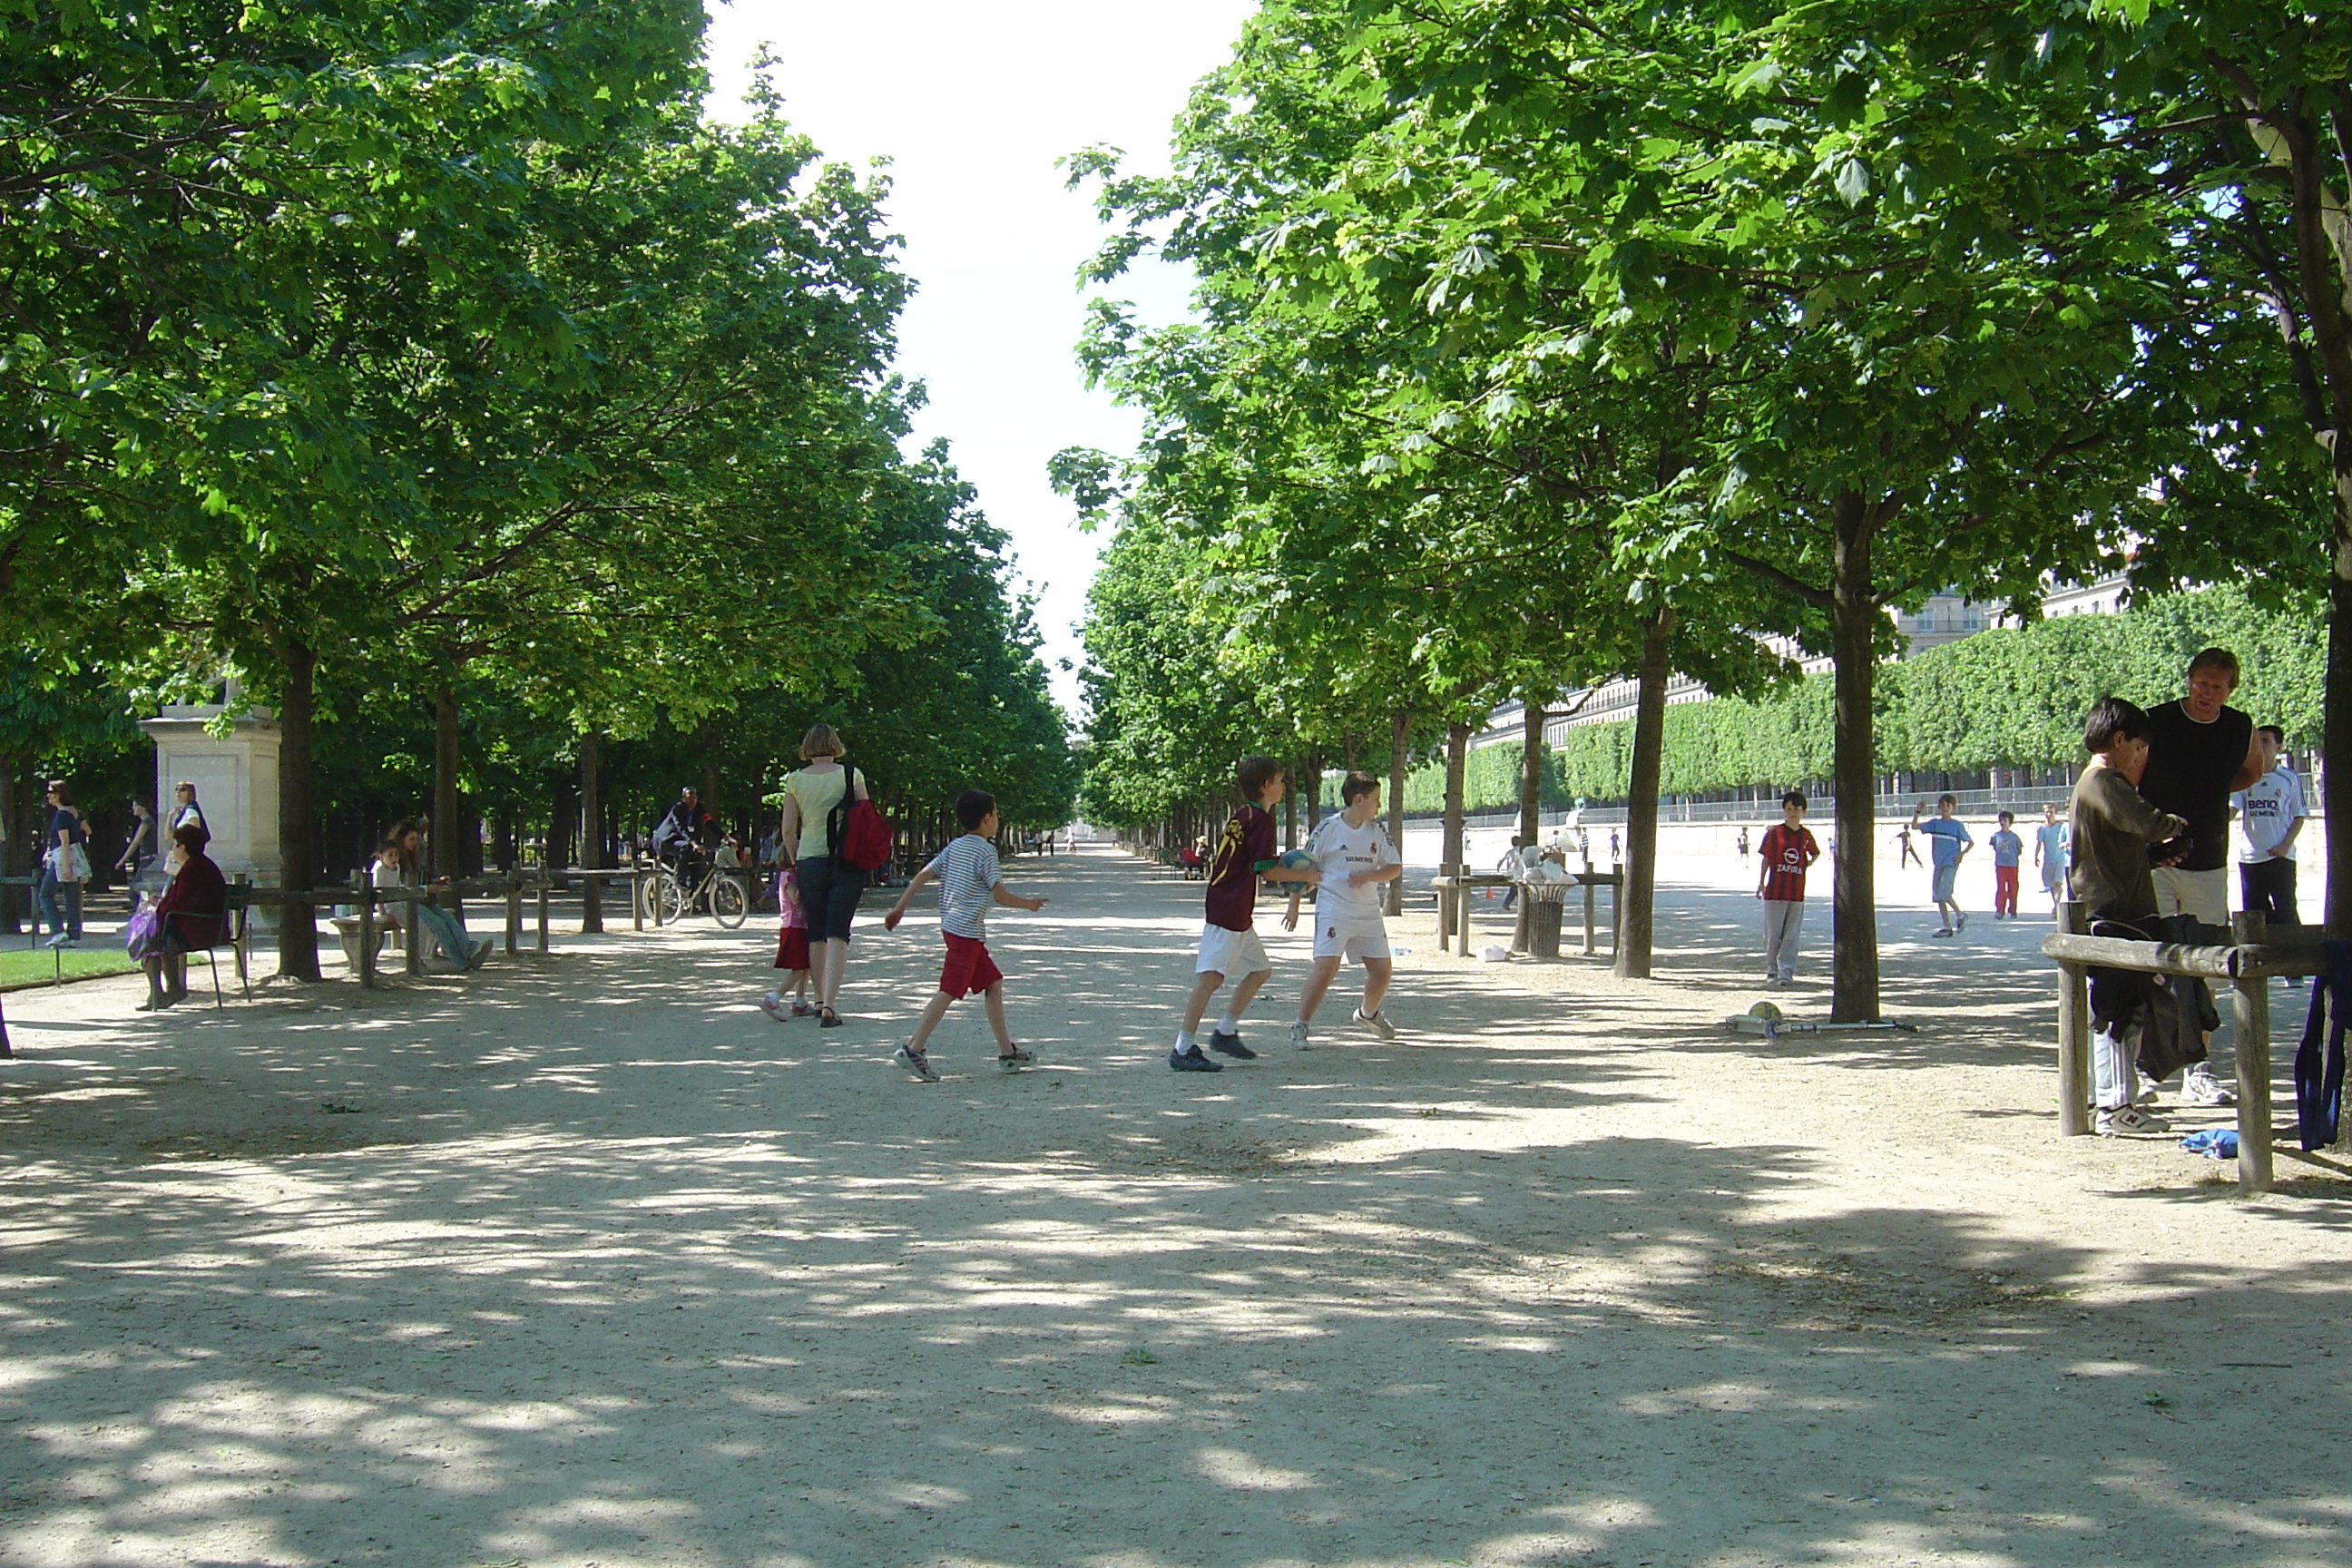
1341,849
2266,809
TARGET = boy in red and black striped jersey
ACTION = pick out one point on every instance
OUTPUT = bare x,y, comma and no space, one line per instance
1787,852
1229,941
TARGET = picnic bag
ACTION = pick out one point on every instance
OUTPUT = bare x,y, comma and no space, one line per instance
141,937
860,838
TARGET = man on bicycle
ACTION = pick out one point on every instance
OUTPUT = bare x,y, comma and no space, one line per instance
677,836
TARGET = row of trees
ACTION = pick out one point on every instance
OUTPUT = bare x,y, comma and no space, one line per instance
440,372
2009,698
1538,346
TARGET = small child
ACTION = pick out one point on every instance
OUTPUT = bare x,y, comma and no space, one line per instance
1790,852
968,878
1352,852
2008,852
2050,855
1948,842
1229,940
792,951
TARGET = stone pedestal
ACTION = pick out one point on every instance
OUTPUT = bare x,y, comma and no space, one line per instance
235,775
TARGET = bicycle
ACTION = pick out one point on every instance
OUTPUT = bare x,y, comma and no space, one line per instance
720,892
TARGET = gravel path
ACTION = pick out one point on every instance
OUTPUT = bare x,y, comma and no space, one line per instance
583,1260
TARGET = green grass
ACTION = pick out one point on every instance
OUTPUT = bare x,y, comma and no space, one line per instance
101,956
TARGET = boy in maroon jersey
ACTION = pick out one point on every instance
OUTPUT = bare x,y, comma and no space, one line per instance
1229,942
1787,851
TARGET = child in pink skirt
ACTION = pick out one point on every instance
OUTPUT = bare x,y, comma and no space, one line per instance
792,951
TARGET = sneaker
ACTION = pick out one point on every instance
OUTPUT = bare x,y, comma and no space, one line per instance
2130,1118
2199,1087
60,939
917,1062
1945,930
482,951
1299,1035
2146,1096
1377,1023
1961,922
802,1010
1193,1061
1231,1045
1016,1062
772,1007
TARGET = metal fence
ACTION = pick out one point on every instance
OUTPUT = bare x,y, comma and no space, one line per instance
2026,801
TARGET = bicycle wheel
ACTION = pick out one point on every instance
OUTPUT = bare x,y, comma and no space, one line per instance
673,896
728,904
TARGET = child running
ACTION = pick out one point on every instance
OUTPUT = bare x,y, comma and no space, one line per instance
1229,940
1949,840
1353,854
968,878
792,951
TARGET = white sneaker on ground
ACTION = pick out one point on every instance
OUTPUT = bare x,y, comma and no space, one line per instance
2130,1118
1377,1023
1298,1034
2199,1087
774,1007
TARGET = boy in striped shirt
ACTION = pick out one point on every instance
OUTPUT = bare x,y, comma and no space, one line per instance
969,881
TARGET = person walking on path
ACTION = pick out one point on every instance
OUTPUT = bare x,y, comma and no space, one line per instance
65,866
2200,751
814,798
1948,843
792,953
1229,940
2112,827
138,855
1903,837
1788,851
1743,842
2008,850
2270,815
969,881
2050,855
1353,854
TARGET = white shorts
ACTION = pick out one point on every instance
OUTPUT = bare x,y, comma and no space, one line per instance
1226,952
2204,895
1351,939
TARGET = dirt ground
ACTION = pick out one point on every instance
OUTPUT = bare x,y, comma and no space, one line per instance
583,1260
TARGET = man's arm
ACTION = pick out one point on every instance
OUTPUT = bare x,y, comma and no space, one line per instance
2251,768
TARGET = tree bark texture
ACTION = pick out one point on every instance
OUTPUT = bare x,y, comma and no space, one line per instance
298,819
591,835
1531,766
1399,752
447,861
1853,627
1457,755
1636,920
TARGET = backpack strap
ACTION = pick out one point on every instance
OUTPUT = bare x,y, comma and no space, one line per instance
838,817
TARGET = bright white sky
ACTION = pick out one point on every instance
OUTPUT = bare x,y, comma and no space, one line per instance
972,104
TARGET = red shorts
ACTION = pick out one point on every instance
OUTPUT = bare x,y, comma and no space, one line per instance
792,948
968,970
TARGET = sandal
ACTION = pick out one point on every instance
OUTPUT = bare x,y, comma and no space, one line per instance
826,1018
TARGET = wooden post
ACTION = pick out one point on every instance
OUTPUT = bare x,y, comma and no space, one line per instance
412,942
636,896
364,895
2073,1030
2253,1066
514,909
1462,932
1444,906
545,883
1587,909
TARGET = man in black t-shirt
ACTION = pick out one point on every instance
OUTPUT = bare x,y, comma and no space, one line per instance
2201,750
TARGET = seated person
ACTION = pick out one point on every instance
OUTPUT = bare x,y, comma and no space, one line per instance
193,915
395,867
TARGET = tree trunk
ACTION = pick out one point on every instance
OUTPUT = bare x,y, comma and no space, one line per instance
592,836
1532,764
1853,627
297,820
1290,811
1399,744
1314,794
2336,743
445,859
1457,755
1636,922
14,856
562,821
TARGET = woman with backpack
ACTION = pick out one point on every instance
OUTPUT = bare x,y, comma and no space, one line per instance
819,802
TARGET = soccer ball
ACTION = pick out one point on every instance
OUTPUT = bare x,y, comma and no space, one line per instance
1294,860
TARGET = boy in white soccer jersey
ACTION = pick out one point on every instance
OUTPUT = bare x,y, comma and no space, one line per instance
1353,852
969,881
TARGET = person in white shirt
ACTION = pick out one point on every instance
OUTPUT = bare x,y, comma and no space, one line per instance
2271,815
1353,853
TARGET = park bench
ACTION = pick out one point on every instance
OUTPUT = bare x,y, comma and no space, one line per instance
2255,953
